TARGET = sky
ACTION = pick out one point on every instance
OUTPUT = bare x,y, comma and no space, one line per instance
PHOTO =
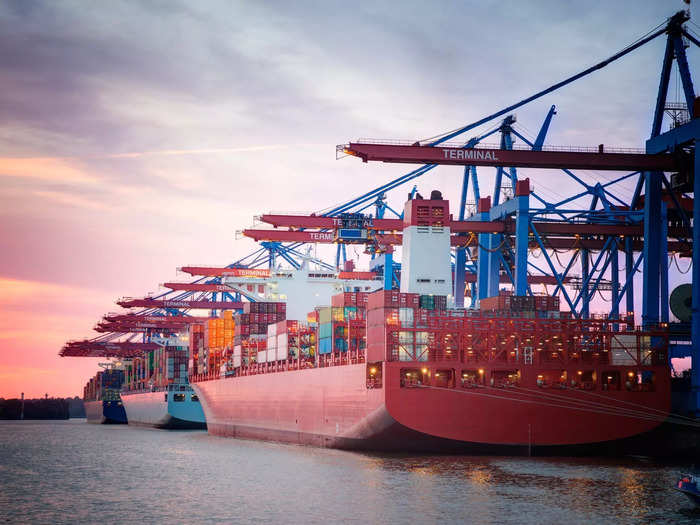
137,137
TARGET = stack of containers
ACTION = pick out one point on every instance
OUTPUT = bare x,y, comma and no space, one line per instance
220,339
433,302
196,346
261,314
250,332
111,384
176,361
90,391
350,309
325,330
228,327
283,341
397,325
308,335
544,306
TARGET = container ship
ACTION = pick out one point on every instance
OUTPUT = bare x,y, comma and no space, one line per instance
403,370
156,390
103,404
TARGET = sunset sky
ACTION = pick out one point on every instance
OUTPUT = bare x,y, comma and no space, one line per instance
137,137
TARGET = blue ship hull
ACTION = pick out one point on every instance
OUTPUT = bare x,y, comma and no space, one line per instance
105,412
174,408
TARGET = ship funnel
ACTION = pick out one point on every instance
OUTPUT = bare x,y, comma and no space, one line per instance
435,195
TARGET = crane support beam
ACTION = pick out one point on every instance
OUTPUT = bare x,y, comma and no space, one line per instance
179,319
468,226
226,272
131,326
471,277
313,221
200,287
457,156
118,328
106,349
556,236
181,304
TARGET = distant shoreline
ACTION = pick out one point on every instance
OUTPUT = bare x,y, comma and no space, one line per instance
41,409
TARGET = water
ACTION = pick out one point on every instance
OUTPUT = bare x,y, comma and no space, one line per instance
74,472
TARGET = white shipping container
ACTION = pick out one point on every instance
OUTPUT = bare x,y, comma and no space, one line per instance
271,355
271,330
271,342
262,356
406,316
282,351
236,360
237,350
282,340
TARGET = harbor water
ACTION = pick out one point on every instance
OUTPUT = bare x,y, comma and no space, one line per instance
74,472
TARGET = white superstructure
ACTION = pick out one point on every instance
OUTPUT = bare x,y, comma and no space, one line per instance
426,268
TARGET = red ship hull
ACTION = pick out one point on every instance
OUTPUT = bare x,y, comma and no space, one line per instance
333,407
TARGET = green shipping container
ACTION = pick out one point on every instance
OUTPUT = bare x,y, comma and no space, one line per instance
324,314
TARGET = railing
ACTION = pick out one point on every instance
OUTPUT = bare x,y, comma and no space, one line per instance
517,147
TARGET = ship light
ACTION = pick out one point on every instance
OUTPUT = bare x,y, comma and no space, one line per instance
424,370
630,374
481,371
579,373
372,371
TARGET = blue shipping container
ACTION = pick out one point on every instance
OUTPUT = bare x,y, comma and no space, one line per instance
325,345
325,330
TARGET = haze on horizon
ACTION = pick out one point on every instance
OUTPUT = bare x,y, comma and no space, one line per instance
137,137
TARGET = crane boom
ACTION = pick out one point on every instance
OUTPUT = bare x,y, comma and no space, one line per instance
554,159
182,304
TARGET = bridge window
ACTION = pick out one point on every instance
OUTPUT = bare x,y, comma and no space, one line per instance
195,398
551,378
472,378
374,375
505,378
611,380
179,398
414,377
445,378
584,379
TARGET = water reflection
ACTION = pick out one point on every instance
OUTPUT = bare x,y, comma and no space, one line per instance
66,473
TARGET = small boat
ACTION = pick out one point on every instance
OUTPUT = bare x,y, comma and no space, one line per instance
688,485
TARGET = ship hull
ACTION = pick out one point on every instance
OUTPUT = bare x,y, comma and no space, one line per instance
332,407
105,412
160,410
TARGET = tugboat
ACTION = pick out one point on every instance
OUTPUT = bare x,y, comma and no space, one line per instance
688,485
